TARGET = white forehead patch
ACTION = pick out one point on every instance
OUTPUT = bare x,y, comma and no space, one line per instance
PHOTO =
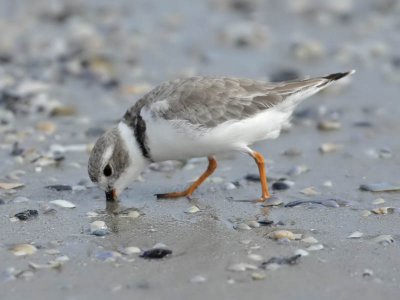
107,154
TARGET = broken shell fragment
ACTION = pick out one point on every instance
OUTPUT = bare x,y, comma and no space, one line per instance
355,235
241,267
23,249
63,203
284,234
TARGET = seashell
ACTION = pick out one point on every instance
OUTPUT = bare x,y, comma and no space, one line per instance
192,210
384,239
378,201
310,191
98,228
310,240
63,203
241,267
315,247
253,224
379,187
355,235
242,226
284,234
255,257
383,210
10,186
328,125
301,252
23,250
258,275
132,250
330,147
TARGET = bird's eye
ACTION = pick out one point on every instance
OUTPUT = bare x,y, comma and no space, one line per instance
107,171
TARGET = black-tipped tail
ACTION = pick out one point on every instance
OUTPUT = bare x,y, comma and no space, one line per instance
337,76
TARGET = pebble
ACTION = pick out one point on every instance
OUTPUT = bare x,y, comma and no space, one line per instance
310,240
198,279
131,213
27,214
241,267
329,125
330,147
156,253
132,250
384,239
258,275
21,199
382,210
378,201
309,191
355,235
59,187
380,187
301,252
276,262
23,250
230,186
292,152
328,184
298,170
98,228
63,203
242,226
282,185
192,210
10,185
284,234
2,201
315,247
253,177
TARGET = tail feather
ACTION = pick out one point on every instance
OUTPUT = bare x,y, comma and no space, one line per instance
337,76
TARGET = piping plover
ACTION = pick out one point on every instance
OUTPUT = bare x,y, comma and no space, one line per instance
196,117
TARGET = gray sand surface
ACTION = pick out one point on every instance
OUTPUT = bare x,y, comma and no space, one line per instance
99,57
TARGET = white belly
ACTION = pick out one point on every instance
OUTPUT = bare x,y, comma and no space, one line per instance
177,140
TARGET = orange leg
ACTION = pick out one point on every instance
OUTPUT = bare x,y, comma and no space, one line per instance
212,165
263,176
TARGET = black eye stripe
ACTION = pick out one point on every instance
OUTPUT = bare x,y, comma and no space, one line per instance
107,171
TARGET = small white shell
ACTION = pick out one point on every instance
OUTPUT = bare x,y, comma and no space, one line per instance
132,250
315,247
23,249
192,210
310,240
284,234
355,235
241,267
63,203
301,252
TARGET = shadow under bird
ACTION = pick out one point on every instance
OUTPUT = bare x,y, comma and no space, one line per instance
197,117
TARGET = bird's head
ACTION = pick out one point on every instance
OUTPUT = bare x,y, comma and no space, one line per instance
115,161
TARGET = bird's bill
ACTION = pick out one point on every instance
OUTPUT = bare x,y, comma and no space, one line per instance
111,195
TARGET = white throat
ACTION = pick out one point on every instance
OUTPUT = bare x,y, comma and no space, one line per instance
137,162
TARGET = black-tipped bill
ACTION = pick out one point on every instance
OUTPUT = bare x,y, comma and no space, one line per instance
111,195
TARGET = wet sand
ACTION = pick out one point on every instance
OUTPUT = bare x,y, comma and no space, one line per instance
69,72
